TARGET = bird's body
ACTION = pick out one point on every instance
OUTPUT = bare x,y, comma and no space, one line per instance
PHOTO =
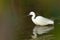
39,20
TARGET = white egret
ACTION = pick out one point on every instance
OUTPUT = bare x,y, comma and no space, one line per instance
40,20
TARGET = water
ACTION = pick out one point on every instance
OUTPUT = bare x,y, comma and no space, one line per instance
15,24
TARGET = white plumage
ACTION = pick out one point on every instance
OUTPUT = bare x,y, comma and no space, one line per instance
39,20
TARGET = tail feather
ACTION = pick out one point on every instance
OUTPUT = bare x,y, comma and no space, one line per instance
51,22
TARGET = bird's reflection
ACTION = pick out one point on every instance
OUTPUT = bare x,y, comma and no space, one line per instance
41,30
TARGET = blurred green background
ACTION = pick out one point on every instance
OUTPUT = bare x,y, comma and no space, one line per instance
14,23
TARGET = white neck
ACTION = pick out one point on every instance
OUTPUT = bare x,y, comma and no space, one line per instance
33,16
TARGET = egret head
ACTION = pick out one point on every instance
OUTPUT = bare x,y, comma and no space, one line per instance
32,13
